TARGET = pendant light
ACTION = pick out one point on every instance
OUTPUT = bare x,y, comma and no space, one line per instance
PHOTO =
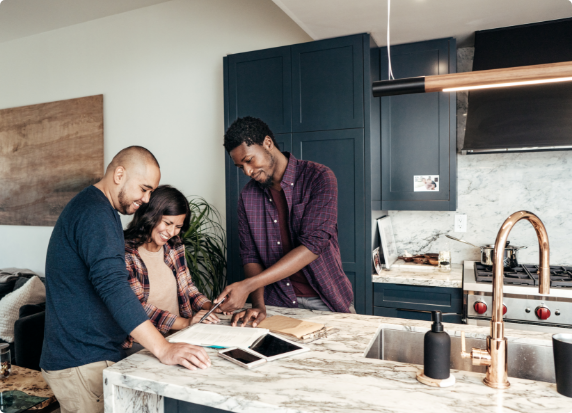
481,79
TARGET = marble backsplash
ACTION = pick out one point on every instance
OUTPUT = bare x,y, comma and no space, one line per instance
490,188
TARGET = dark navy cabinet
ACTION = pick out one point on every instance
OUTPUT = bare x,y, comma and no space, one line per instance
418,131
327,84
330,113
316,97
412,302
179,406
343,152
259,85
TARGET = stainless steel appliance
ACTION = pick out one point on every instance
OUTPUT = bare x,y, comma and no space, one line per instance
524,308
487,253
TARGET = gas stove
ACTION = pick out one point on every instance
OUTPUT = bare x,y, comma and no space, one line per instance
524,307
525,274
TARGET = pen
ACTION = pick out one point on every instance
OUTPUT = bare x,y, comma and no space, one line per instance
211,310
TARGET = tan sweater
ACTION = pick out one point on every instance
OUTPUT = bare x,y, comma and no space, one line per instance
162,281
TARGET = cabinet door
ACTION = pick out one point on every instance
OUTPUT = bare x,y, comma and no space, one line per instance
235,181
259,85
327,83
413,297
342,152
418,131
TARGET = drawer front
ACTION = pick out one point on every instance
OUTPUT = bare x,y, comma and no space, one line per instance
412,315
398,296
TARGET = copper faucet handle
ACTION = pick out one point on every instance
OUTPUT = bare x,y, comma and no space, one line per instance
464,353
478,356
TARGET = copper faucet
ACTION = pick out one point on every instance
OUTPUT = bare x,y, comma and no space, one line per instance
495,356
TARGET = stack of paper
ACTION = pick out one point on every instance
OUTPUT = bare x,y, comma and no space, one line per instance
209,335
290,326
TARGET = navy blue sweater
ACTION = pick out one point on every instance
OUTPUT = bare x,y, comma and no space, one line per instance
90,308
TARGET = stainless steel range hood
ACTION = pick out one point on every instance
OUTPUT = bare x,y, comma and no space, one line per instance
525,118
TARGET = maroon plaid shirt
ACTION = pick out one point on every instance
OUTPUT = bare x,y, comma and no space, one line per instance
312,195
188,295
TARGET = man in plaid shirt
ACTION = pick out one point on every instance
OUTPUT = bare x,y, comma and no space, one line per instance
287,224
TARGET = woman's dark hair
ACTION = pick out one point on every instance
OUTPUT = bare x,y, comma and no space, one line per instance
247,130
165,200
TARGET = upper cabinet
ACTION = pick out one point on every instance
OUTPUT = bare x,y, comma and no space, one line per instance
418,131
327,84
259,85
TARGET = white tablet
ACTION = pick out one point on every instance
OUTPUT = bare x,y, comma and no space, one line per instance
272,347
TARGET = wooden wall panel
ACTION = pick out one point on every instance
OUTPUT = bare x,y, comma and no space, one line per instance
48,153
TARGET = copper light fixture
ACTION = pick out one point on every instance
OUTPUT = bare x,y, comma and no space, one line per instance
482,79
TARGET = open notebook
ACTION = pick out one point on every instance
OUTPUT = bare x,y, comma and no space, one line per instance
209,335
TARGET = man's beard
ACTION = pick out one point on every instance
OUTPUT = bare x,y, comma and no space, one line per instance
123,203
269,181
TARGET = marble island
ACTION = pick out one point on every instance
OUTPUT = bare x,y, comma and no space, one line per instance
422,275
335,376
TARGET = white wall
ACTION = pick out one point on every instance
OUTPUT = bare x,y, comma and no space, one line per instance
160,71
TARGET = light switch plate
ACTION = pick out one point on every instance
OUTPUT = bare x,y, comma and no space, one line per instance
460,223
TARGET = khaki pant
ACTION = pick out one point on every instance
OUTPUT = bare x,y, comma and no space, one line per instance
78,389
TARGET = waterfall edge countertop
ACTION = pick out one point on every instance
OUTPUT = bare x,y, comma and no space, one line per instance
335,376
422,275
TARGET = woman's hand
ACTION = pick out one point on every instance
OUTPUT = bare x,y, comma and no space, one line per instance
211,319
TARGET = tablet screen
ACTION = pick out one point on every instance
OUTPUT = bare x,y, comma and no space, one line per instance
271,346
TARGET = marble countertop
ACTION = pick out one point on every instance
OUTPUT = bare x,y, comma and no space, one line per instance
424,275
335,376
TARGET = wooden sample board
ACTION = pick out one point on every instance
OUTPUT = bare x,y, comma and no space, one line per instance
48,153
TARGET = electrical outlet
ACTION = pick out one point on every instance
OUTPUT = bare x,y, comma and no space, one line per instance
460,223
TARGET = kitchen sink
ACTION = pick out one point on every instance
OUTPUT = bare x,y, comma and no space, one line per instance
525,361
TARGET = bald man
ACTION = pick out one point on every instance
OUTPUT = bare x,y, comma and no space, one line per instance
90,308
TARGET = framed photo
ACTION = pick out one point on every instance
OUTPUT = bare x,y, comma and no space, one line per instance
426,183
377,261
388,245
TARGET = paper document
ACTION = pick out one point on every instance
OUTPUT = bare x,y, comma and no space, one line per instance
221,336
290,326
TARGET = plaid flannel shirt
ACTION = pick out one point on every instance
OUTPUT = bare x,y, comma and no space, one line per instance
311,191
189,296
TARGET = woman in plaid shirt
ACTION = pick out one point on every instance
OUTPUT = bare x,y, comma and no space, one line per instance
155,259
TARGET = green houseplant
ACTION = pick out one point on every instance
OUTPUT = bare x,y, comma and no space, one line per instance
205,248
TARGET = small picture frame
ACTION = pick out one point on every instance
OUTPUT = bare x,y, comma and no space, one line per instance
388,245
377,261
426,183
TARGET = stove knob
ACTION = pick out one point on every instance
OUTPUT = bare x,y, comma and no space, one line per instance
480,307
504,309
542,312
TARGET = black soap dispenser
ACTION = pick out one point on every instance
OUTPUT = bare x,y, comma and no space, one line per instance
437,350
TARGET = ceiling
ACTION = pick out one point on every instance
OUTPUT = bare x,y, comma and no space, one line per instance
416,20
22,18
